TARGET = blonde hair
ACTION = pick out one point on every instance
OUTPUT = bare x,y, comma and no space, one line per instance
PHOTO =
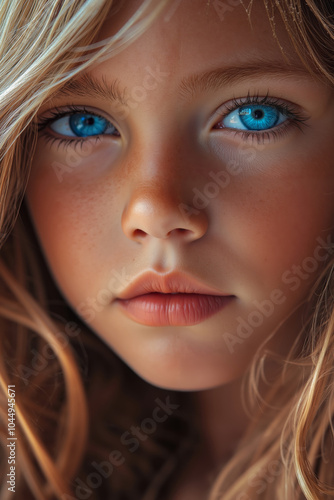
286,452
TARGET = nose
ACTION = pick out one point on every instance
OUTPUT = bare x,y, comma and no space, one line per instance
156,210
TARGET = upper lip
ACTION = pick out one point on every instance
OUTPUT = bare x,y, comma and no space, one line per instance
175,282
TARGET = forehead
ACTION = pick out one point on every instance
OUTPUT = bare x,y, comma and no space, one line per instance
191,33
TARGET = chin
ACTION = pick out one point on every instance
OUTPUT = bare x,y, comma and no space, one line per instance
185,382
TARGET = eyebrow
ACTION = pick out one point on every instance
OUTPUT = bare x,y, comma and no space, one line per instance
88,85
229,76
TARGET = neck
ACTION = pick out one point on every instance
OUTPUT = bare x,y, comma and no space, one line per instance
222,420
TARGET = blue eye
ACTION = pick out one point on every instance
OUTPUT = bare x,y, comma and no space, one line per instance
82,125
254,117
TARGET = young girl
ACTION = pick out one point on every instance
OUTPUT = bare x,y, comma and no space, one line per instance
167,249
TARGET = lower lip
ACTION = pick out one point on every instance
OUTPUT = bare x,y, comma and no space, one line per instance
180,309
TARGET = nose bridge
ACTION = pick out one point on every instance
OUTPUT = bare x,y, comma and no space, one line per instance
159,187
160,161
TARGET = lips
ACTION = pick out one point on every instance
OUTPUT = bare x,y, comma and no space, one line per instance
173,299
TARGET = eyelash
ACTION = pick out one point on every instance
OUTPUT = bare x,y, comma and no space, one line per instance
58,113
295,118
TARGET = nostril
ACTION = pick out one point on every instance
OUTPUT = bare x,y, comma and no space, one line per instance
179,230
138,233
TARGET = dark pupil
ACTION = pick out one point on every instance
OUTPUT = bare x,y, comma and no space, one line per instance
89,121
258,114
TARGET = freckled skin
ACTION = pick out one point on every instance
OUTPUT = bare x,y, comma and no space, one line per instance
116,211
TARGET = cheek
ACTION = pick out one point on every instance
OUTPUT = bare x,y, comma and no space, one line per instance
283,219
76,222
274,210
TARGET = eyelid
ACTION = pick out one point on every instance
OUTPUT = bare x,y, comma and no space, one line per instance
293,112
296,119
286,107
61,111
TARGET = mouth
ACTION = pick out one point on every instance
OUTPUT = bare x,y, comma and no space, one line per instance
173,309
174,299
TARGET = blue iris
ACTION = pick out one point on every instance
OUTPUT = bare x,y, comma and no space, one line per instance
258,117
84,125
254,117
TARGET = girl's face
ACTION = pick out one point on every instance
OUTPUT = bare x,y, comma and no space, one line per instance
199,154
